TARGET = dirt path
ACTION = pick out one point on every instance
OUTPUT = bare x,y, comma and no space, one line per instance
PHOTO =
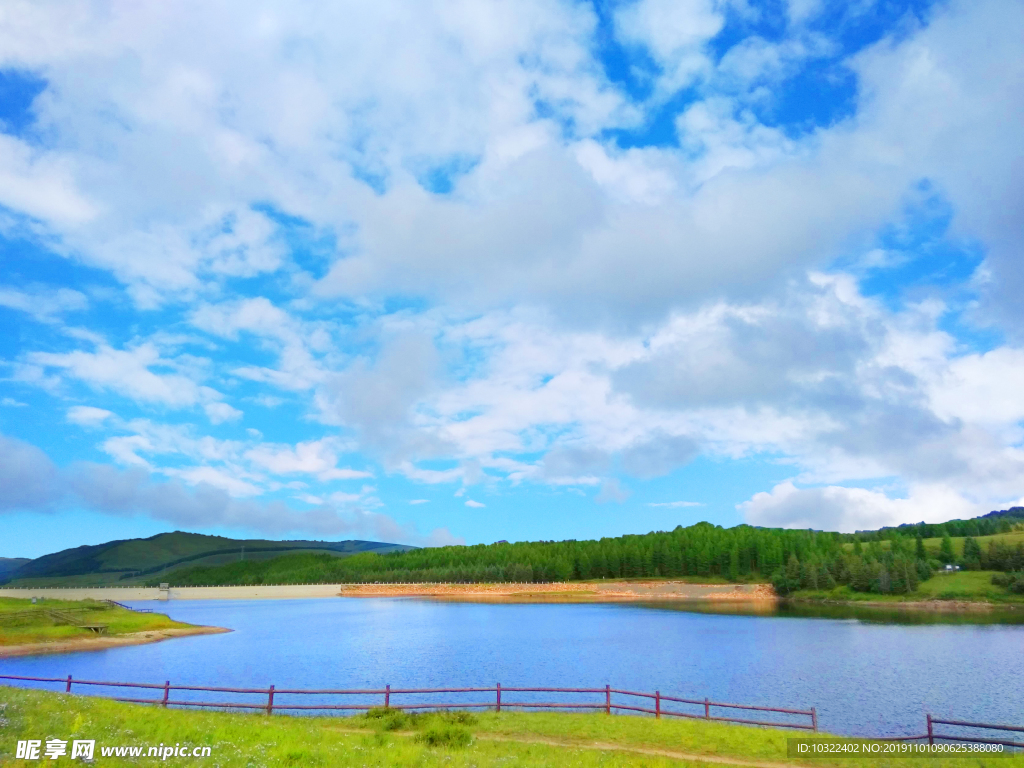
602,747
101,642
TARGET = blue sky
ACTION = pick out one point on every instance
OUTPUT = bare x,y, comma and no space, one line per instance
438,272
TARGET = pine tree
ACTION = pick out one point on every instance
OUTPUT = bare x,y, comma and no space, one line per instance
946,550
972,554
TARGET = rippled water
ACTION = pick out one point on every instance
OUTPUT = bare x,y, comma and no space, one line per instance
863,674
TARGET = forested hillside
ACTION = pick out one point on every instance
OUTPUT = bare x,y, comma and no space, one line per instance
129,560
792,559
1001,521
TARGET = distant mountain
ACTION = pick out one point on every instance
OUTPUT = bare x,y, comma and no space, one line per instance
130,560
1016,513
9,565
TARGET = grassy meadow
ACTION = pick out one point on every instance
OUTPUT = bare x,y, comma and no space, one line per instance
388,738
968,586
21,622
1010,539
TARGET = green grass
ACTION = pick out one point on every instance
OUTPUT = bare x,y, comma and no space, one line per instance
441,739
971,586
40,627
1011,539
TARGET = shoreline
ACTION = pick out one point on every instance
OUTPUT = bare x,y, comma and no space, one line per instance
617,591
943,606
583,592
102,642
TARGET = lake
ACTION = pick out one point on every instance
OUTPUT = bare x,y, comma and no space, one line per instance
864,673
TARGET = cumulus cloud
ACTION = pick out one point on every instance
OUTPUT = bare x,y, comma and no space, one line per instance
474,504
675,33
376,398
42,185
836,508
566,308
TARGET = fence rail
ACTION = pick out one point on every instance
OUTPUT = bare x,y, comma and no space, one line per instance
932,736
606,703
128,607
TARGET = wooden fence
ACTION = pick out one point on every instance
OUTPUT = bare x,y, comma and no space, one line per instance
658,704
932,735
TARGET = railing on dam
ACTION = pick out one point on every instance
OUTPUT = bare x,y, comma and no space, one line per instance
606,699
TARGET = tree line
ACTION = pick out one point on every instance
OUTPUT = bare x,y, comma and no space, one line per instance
1002,521
792,559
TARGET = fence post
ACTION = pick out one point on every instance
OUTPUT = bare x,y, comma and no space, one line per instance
814,719
657,703
167,691
270,700
499,698
707,709
68,689
608,699
387,696
931,735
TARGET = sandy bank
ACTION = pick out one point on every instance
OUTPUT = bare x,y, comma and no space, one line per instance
101,642
598,592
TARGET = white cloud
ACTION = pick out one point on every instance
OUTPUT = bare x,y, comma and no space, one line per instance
591,309
217,478
41,184
419,501
611,491
10,402
126,371
474,504
44,304
218,413
87,415
675,32
316,457
835,508
30,482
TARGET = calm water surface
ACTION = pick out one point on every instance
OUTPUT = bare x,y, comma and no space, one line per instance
864,676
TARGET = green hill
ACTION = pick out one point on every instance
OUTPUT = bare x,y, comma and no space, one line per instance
132,561
9,565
